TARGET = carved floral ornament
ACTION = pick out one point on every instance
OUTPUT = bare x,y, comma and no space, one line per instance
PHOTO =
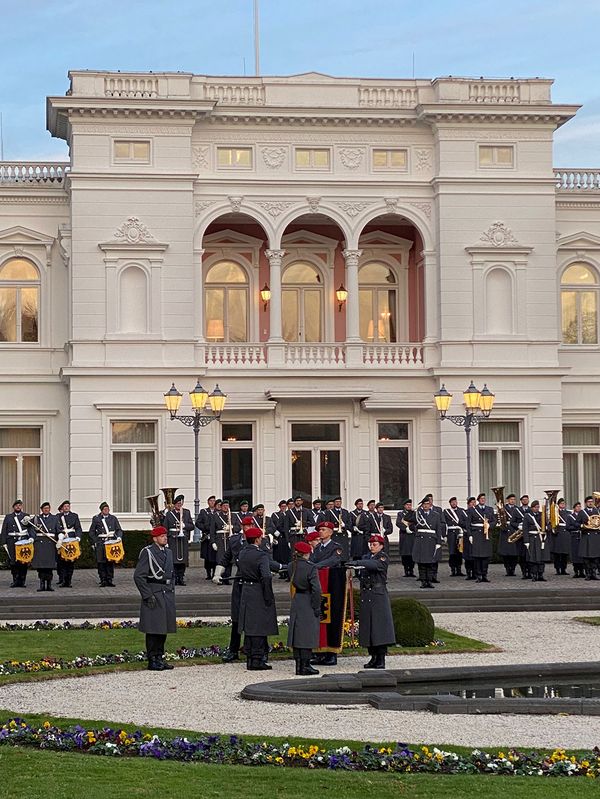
132,231
499,235
351,157
273,156
200,156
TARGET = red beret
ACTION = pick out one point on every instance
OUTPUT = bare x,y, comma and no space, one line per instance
329,525
376,539
252,533
314,536
247,520
156,531
303,547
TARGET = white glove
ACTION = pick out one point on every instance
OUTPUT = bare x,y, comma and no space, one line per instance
470,539
218,572
191,538
215,547
527,545
438,546
276,534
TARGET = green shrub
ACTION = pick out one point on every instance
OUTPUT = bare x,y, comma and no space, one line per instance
413,622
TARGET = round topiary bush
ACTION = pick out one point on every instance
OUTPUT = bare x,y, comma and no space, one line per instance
413,622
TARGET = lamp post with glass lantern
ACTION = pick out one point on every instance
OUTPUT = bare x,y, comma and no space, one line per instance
478,405
199,399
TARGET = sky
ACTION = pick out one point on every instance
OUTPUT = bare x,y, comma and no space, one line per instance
43,39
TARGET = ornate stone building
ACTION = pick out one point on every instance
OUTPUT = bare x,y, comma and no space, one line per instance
410,233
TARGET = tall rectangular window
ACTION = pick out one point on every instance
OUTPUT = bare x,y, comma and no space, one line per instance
500,456
20,467
237,463
134,457
581,461
393,454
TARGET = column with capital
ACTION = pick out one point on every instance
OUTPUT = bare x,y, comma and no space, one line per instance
353,342
198,289
431,283
275,348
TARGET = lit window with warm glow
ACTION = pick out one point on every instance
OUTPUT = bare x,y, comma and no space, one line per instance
389,159
226,302
312,158
302,303
378,301
234,157
579,288
19,302
496,156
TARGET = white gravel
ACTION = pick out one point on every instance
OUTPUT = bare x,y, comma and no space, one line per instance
206,698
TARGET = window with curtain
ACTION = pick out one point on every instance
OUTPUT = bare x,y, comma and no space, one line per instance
579,288
378,303
237,456
581,461
134,460
393,456
302,303
19,302
226,302
20,467
500,457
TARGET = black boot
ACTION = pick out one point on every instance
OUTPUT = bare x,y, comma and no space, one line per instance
256,664
305,669
165,664
230,657
329,660
42,585
371,663
317,659
49,584
379,661
155,664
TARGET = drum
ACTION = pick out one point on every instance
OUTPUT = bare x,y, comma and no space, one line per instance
114,551
24,551
69,549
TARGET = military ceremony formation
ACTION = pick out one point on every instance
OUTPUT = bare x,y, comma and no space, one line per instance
318,550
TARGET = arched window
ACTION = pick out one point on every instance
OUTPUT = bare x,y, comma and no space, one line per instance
378,303
498,302
133,301
302,303
226,297
579,288
19,301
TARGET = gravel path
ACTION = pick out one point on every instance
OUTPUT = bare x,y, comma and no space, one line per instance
206,698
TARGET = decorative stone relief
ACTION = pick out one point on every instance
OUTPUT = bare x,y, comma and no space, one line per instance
275,208
391,204
64,243
425,208
498,235
354,209
202,205
200,156
273,156
313,203
423,159
132,231
235,203
351,157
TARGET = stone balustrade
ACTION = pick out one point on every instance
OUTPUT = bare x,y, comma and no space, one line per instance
386,96
33,172
393,355
130,86
577,179
235,355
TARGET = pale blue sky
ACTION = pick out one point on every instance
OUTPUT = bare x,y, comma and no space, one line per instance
42,39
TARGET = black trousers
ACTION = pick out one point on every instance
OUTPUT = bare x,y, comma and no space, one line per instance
377,650
256,647
536,570
426,573
560,562
409,565
235,638
455,562
155,645
64,570
179,569
510,563
481,567
209,567
470,567
45,574
591,566
106,572
524,566
19,573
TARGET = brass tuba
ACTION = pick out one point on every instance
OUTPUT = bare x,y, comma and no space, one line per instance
550,514
169,496
500,509
156,516
594,521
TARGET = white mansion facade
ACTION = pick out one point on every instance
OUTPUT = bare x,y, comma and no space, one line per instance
464,255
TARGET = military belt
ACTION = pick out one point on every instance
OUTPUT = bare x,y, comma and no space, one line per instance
156,581
423,530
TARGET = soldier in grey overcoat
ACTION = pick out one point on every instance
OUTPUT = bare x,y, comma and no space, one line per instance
44,546
479,517
154,577
376,625
427,525
179,523
560,540
589,544
305,610
258,614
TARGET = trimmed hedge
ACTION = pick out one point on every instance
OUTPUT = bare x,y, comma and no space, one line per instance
413,622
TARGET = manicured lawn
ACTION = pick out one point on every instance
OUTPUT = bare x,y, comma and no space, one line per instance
593,620
28,774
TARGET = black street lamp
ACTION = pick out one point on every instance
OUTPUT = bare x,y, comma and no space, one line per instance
478,406
201,400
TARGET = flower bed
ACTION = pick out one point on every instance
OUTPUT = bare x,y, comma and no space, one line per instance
231,750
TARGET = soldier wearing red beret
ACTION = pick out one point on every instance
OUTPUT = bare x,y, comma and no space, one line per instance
305,611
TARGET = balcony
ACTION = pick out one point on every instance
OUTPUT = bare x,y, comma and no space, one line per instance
577,180
32,173
308,356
